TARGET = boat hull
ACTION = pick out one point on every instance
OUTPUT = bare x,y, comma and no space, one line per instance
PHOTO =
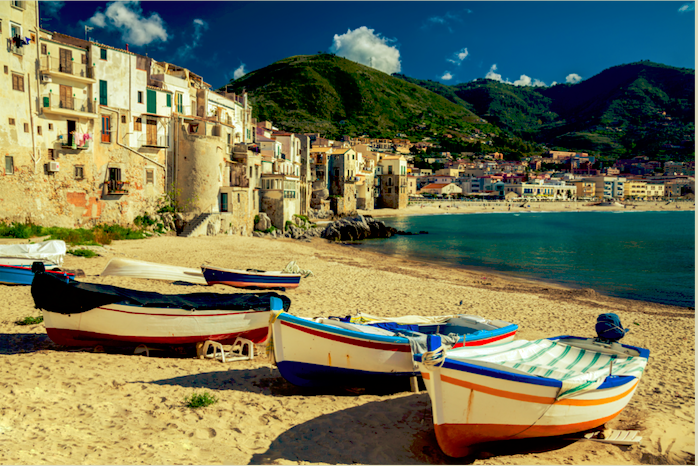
118,324
250,280
23,275
311,354
474,404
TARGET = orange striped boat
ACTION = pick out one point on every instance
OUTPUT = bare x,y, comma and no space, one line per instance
524,389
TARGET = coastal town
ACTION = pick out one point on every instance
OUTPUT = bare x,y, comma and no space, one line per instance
98,134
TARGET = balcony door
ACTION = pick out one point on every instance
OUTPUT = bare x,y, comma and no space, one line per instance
66,97
66,61
151,133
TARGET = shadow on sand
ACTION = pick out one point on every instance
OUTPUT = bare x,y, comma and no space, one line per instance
16,343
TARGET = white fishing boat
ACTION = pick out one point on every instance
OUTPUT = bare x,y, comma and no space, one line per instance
364,350
86,314
51,253
523,389
122,267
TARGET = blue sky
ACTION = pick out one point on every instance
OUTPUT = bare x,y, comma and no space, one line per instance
524,43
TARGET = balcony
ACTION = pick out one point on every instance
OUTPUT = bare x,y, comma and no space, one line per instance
74,141
15,48
68,106
150,140
52,66
117,187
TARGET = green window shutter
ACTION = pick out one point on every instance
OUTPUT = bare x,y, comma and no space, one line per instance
169,100
151,101
103,93
103,54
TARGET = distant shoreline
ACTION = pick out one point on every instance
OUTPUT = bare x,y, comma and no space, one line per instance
465,207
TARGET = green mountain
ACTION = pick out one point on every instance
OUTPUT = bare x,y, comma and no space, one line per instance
641,108
335,96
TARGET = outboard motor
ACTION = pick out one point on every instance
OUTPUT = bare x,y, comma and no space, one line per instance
609,329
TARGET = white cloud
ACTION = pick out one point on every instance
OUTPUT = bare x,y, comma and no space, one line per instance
50,8
522,81
687,7
447,76
199,27
573,78
128,18
459,56
492,75
363,46
239,71
445,20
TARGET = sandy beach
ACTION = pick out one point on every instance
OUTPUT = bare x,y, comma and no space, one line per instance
431,207
81,406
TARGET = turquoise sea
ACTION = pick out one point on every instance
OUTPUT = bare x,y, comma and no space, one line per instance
648,256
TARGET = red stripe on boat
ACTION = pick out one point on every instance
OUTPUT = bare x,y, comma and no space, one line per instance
401,347
254,284
484,341
67,337
191,313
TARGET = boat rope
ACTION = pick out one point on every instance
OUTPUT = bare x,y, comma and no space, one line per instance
434,358
292,267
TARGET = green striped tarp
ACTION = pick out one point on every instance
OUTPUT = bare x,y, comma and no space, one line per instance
578,369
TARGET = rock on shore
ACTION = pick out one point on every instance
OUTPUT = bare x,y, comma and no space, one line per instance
357,228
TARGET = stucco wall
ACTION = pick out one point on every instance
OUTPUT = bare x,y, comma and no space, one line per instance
198,172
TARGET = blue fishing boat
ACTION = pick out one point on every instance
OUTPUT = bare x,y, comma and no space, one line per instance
250,278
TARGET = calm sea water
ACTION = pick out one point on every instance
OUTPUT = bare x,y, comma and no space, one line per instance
649,256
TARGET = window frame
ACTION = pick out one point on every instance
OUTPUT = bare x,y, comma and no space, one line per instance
81,169
11,159
19,80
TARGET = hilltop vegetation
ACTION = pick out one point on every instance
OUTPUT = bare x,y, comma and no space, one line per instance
335,96
641,108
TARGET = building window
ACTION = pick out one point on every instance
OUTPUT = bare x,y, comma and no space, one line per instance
224,202
9,165
43,49
51,155
79,172
17,82
140,97
169,100
103,54
137,124
84,59
389,190
149,176
106,128
390,169
7,70
123,118
238,198
50,126
103,92
39,129
12,121
18,4
26,127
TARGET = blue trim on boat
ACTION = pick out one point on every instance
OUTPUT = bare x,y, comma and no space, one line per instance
217,275
315,375
20,275
341,331
488,372
613,381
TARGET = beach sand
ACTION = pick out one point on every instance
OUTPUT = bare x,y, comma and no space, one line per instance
66,406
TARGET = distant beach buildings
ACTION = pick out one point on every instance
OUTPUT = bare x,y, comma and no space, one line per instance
97,134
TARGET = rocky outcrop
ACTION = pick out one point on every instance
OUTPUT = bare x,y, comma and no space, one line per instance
357,228
264,222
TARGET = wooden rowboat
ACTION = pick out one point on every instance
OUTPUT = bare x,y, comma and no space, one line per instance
253,279
122,267
366,350
85,314
523,389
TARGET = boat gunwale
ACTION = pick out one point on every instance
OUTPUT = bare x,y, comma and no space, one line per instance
462,338
265,274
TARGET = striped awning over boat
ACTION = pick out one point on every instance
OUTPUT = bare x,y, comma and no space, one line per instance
578,369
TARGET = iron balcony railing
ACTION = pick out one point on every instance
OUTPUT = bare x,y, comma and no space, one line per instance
54,102
49,63
117,187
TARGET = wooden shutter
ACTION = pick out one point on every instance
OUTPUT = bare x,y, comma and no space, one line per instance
137,126
106,129
66,61
151,133
66,97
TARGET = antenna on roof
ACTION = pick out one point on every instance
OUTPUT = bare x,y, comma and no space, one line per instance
88,29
